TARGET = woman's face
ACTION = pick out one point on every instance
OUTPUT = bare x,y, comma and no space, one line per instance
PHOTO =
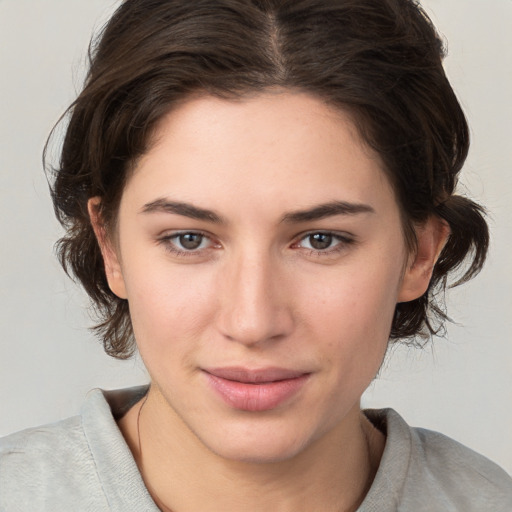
260,248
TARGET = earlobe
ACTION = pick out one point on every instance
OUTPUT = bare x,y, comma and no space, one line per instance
111,261
431,238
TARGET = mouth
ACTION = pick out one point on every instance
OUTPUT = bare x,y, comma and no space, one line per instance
255,390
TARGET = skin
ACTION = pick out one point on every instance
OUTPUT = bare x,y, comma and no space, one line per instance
255,294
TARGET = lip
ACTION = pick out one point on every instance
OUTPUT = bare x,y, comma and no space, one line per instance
255,389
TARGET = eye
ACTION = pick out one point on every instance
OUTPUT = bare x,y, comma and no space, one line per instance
186,243
190,241
321,242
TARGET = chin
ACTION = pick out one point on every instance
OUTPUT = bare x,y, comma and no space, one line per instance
253,443
258,452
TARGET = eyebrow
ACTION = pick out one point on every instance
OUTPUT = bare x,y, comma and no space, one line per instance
325,210
318,212
184,209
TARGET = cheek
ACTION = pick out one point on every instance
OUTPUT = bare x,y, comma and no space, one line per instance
353,312
167,303
362,298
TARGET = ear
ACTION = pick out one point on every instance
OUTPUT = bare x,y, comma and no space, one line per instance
431,238
111,261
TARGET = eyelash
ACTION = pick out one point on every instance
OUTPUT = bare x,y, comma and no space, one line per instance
169,246
343,241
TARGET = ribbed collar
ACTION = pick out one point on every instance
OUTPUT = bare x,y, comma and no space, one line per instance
119,475
387,487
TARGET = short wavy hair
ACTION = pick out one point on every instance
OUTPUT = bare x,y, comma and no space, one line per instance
379,60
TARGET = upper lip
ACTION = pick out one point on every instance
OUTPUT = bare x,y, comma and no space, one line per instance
240,374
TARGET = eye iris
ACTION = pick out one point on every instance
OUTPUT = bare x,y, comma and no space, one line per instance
190,240
320,240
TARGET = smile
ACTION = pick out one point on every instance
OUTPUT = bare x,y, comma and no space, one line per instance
255,390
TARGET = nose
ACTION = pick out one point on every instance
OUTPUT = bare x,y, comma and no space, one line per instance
255,303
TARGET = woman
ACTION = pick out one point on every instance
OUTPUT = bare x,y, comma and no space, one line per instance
259,195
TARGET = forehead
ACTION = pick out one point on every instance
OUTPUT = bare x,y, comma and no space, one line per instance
279,148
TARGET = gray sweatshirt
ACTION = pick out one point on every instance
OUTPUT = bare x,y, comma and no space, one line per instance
84,464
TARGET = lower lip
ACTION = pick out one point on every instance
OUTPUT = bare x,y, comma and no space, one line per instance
256,397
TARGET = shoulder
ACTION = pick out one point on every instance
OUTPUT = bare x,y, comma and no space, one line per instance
48,465
431,471
39,439
81,463
464,476
439,451
40,449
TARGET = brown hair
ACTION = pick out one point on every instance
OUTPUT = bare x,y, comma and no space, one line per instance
381,60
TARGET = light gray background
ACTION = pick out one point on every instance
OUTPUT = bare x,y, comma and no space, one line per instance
48,359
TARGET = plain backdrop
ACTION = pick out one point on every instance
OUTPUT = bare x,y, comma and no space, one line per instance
461,386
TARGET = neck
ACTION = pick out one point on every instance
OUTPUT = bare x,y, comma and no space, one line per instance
333,474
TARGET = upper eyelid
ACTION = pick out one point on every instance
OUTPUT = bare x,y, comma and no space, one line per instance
342,242
172,234
303,234
343,235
